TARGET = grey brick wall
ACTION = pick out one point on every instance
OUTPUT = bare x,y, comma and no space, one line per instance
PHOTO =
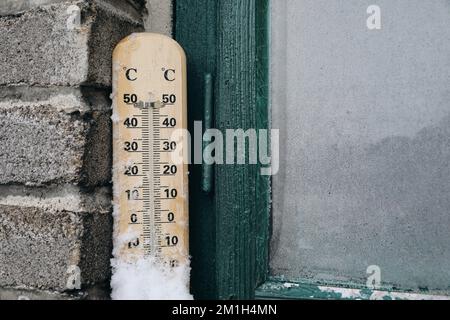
55,145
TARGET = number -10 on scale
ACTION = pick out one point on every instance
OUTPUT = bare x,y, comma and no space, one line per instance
150,188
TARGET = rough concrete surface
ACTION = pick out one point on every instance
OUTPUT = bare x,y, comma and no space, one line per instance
58,198
133,7
39,247
42,145
160,17
101,292
55,138
41,49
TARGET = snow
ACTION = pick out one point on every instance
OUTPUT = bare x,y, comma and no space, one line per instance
115,118
140,278
288,285
148,279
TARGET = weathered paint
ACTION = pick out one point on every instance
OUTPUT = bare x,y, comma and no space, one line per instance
278,289
230,229
242,218
208,170
263,183
195,30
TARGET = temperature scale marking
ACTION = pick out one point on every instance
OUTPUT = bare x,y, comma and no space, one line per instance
150,188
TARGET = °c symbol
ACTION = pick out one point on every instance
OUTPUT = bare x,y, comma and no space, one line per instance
129,75
169,74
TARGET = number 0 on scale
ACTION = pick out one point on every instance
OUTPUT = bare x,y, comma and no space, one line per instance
150,189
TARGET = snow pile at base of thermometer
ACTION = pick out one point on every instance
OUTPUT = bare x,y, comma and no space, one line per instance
146,279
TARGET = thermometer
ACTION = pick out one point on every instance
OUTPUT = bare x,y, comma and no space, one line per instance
150,187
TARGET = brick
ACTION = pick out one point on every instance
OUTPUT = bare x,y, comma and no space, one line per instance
40,247
8,7
21,294
94,293
41,50
63,138
58,198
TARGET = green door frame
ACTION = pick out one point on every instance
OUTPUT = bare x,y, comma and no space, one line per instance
230,226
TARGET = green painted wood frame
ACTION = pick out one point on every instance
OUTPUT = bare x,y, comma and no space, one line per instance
230,226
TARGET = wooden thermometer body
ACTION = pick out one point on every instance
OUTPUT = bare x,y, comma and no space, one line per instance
150,188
